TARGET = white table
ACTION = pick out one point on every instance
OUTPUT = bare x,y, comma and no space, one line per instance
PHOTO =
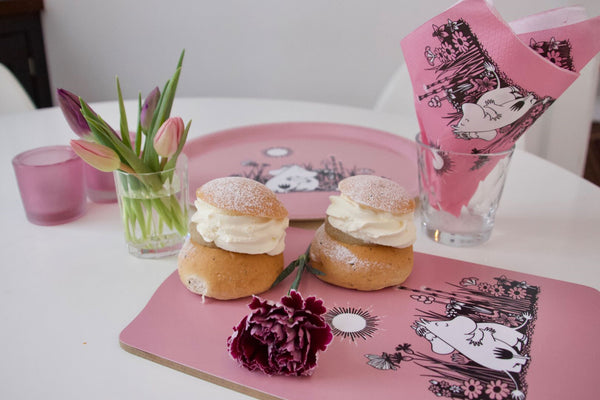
67,291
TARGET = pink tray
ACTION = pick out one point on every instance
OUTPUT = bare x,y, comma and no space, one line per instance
378,354
302,161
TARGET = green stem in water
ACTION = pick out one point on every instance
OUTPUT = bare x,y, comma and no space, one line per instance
139,205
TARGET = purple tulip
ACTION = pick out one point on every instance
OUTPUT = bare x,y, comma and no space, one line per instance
71,108
148,108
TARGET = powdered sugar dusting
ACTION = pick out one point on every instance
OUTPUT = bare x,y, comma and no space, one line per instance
242,196
378,193
332,250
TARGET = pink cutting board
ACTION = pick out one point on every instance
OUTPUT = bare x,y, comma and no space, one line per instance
302,162
379,351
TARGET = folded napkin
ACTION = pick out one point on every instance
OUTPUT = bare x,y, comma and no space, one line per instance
479,83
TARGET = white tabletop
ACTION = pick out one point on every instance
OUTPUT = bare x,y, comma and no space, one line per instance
67,291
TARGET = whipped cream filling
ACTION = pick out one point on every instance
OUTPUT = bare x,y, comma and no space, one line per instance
369,225
240,233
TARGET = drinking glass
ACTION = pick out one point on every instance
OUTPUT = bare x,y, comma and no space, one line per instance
459,193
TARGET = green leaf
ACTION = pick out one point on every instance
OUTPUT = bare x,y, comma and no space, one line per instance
302,263
106,136
163,110
138,132
285,273
153,127
168,94
124,126
314,271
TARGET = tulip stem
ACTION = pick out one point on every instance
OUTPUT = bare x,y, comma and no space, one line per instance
151,214
163,162
126,168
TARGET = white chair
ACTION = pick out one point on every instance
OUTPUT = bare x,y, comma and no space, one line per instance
397,96
13,98
561,135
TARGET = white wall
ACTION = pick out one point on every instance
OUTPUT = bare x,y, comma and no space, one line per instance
335,51
330,51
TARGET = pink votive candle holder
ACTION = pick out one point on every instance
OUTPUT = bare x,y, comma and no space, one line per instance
51,183
99,185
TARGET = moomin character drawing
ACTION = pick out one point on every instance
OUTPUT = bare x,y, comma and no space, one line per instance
292,178
492,345
479,337
495,109
486,103
299,177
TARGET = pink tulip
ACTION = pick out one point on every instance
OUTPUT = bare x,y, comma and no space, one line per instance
166,140
98,156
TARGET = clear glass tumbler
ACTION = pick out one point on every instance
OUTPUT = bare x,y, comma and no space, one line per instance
459,193
154,210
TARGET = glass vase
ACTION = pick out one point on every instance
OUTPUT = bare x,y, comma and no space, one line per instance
154,210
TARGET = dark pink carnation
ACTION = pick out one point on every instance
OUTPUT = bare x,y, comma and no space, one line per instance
283,338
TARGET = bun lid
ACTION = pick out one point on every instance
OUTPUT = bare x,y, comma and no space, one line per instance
377,193
242,196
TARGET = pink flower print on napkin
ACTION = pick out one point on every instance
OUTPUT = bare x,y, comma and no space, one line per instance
460,42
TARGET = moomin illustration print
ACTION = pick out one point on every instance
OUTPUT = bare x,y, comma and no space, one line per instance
487,104
304,177
479,334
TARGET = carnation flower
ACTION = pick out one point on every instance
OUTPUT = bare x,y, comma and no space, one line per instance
281,338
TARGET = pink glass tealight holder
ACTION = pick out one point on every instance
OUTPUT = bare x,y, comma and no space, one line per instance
99,185
51,183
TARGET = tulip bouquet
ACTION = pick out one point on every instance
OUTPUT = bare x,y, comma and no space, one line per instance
152,194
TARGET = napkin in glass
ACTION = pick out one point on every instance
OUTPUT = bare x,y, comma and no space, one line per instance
479,83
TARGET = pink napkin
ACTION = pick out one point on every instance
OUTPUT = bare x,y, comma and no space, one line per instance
479,83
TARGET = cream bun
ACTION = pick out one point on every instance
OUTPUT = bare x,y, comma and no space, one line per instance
237,238
366,240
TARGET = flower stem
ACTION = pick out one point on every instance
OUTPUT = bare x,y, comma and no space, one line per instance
302,263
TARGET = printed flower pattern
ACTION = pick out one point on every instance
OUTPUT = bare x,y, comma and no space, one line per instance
516,293
435,101
423,298
448,51
485,287
497,290
430,55
472,388
440,32
483,84
497,390
554,57
460,41
556,51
